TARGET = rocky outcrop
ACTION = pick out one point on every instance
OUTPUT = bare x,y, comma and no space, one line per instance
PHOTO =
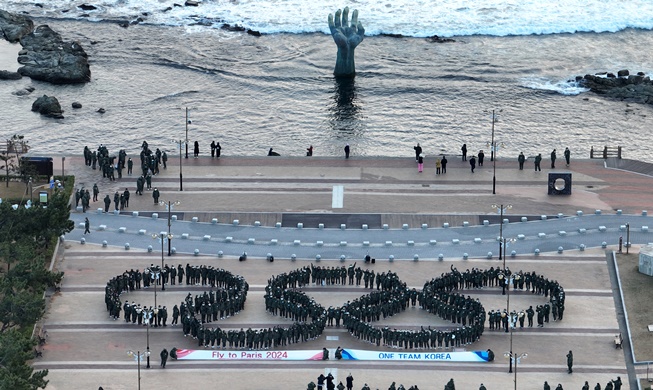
47,57
7,75
48,106
623,86
14,27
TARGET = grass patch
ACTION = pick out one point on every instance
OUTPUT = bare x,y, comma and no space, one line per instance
638,294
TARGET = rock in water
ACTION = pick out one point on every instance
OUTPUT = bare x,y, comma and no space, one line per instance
48,106
47,57
77,105
14,27
7,75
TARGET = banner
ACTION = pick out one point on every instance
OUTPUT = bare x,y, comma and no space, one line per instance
347,354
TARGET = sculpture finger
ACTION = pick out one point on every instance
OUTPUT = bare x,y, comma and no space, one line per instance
337,18
332,26
354,19
345,17
361,30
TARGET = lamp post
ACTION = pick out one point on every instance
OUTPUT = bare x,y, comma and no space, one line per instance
169,205
163,237
517,358
138,356
181,176
501,209
493,149
155,274
188,122
147,315
627,237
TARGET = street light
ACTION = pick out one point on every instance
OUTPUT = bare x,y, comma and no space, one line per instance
169,205
181,142
163,237
501,208
155,274
138,356
513,356
492,152
188,122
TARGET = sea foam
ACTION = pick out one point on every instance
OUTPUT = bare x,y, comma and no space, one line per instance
415,18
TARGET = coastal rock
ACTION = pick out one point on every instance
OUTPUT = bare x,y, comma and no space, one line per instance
77,105
49,58
7,75
437,39
24,92
14,27
87,7
234,28
633,88
253,33
101,110
48,106
191,3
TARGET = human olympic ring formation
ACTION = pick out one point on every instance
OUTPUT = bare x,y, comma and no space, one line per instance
284,296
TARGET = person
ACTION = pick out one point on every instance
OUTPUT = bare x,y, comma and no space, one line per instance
213,149
420,163
320,381
271,153
418,151
438,166
350,381
490,355
481,387
570,362
330,384
586,386
130,166
164,159
347,151
617,383
472,163
567,155
96,192
546,386
340,386
325,354
538,160
521,159
87,226
218,148
164,357
338,353
559,387
553,159
444,164
464,151
481,156
309,151
107,203
127,195
196,149
365,387
155,195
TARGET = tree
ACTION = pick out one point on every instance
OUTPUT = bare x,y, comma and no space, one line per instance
15,350
6,159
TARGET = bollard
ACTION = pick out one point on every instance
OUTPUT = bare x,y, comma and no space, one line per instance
385,226
300,225
274,241
562,233
142,232
388,243
560,249
364,227
174,218
537,251
619,212
319,226
486,222
342,258
543,217
343,243
297,242
433,242
582,230
524,219
102,227
521,237
366,243
155,215
319,243
226,239
277,225
82,241
173,250
100,210
604,245
293,257
149,249
465,223
206,237
455,241
425,226
602,228
343,226
126,246
441,257
445,225
194,220
416,257
404,226
257,223
318,257
214,221
581,247
235,222
220,253
117,212
644,213
579,213
561,215
104,243
465,256
478,240
489,255
410,243
391,258
597,212
196,252
251,240
513,253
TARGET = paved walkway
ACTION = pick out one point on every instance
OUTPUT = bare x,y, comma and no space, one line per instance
87,346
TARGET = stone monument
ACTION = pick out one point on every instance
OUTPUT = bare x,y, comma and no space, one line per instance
347,37
646,260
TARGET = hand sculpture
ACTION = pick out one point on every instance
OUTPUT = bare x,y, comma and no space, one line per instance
347,37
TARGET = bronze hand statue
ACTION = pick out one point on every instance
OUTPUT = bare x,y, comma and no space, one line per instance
347,37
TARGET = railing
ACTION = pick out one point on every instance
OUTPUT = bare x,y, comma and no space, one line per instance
607,151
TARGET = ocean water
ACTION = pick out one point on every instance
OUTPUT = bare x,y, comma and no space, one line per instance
252,93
